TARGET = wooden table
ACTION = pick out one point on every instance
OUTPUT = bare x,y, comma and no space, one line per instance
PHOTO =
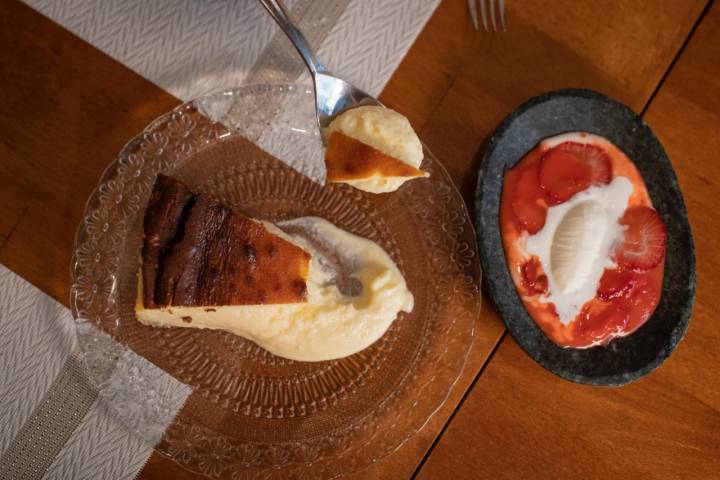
66,109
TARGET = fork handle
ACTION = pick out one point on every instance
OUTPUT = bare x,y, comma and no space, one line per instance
279,13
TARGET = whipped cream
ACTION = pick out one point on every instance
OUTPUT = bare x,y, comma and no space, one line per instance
575,244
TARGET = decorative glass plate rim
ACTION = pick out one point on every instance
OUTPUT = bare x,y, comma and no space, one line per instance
162,121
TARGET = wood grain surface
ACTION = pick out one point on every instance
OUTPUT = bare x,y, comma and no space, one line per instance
67,109
666,425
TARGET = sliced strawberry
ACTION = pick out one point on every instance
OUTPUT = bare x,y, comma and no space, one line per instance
572,167
643,245
533,277
528,205
616,283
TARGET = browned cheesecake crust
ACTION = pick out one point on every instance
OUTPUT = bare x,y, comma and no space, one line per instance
198,252
347,158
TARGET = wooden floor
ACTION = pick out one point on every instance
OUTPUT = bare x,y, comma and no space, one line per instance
66,109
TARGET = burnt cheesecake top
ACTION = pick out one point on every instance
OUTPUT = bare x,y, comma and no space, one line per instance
198,252
349,159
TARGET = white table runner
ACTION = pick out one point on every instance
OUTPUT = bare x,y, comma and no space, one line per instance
189,48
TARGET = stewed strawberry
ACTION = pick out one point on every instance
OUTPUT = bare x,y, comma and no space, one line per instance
529,205
582,310
643,245
572,167
616,283
533,277
603,322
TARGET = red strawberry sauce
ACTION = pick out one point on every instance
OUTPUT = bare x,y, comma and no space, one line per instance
626,296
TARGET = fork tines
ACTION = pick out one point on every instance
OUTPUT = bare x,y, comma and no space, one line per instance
492,12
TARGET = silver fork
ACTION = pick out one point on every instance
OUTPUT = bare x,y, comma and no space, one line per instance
333,95
489,9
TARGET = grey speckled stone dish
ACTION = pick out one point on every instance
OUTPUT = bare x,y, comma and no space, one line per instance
623,360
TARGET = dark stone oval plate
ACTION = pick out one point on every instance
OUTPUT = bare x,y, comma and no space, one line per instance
623,360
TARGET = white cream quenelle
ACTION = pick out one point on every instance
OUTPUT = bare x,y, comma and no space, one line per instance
575,244
354,293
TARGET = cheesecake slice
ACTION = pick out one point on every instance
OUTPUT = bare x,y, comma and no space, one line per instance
373,149
199,253
308,292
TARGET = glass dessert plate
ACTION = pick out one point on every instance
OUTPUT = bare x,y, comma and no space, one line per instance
252,414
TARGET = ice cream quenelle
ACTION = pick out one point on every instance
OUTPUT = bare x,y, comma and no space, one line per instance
372,148
304,289
584,246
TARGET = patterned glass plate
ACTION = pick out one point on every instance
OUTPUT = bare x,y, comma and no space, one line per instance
252,414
